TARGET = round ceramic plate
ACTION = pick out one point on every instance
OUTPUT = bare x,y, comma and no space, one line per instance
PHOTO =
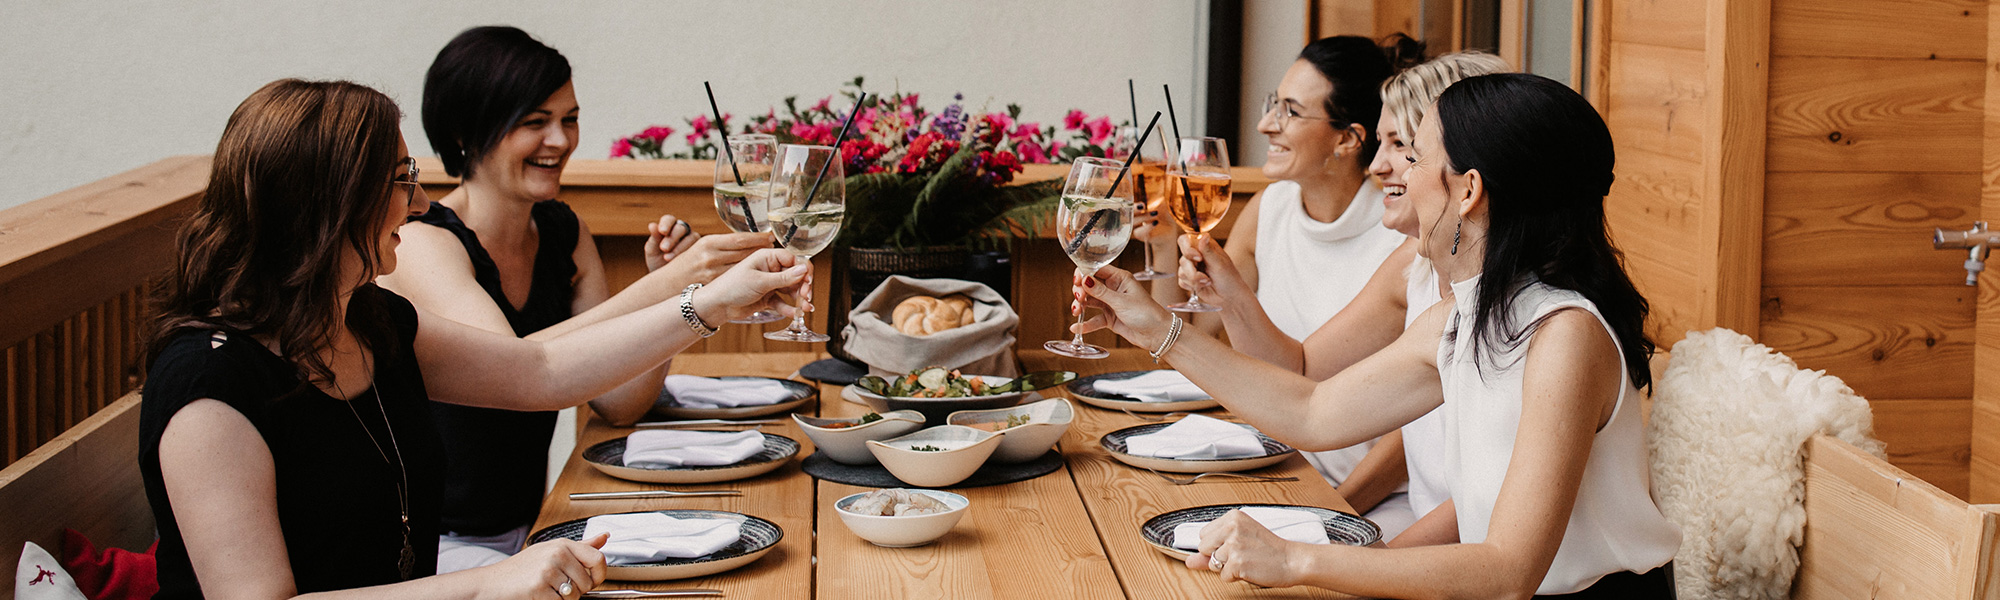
878,476
609,456
1085,390
1341,528
1114,442
666,407
759,536
936,409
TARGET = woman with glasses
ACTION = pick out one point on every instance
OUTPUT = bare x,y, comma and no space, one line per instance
286,439
1307,244
500,253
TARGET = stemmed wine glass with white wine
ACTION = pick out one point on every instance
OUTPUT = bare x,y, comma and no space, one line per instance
1093,224
1149,186
743,190
808,200
1198,196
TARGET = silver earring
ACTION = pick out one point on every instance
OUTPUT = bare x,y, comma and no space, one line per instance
1460,230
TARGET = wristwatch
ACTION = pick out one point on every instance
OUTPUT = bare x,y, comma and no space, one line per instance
688,314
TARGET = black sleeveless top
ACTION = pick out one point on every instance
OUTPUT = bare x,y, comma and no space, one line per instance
497,460
337,500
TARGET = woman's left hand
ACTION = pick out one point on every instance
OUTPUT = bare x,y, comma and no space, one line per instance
1243,550
753,284
667,239
1129,310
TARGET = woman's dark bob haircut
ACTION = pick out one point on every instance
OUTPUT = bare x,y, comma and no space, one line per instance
1356,67
480,84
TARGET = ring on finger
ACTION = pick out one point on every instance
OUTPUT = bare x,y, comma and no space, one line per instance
1214,563
564,589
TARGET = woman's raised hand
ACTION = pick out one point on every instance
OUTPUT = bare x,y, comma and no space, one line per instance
1129,310
1240,548
753,284
1210,270
540,571
667,240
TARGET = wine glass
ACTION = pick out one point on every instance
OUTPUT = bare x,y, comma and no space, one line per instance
743,191
1198,196
808,201
1149,176
1093,224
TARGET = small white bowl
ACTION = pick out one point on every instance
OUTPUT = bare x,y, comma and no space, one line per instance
1047,421
849,445
904,532
964,449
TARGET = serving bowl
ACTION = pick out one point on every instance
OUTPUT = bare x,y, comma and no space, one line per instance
1046,422
904,531
849,445
960,451
936,409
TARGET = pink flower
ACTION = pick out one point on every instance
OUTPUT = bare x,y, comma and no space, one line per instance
822,104
621,148
1074,120
1026,130
816,134
657,133
910,101
700,124
1099,129
694,138
1031,152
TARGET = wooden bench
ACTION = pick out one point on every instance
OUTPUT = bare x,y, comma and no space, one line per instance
1875,531
86,479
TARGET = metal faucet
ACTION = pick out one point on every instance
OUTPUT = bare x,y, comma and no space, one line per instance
1977,241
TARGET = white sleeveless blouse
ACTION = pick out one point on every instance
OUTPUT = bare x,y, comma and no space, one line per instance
1423,439
1308,270
1615,525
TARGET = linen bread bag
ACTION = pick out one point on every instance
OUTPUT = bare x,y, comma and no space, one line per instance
985,346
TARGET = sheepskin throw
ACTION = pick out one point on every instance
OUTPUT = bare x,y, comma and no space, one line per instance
1729,423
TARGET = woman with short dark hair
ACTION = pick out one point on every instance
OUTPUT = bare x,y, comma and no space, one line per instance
1537,362
502,254
285,438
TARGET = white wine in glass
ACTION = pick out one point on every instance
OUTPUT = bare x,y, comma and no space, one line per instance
808,200
1149,188
1198,196
743,191
1093,224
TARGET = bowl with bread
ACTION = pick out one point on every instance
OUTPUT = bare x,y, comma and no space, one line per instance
928,315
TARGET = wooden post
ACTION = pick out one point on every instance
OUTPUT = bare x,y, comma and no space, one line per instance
1738,57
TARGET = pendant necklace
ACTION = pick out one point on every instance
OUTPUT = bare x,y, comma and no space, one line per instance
406,562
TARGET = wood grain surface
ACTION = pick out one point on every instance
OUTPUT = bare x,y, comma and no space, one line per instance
1903,29
1846,114
1872,531
1865,228
1655,102
1667,23
1885,342
1931,439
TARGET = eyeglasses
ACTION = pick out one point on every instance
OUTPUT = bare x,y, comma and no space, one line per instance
408,178
1285,112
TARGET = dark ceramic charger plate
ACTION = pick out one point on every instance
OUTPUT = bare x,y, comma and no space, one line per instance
1341,528
834,371
877,476
758,535
1085,390
609,456
666,407
1114,443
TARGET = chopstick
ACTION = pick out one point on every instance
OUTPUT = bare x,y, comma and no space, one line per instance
651,494
707,422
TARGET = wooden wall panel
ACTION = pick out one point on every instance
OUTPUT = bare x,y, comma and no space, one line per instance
1885,342
1844,115
1864,228
1931,439
1655,99
1674,297
1908,29
1655,209
1669,23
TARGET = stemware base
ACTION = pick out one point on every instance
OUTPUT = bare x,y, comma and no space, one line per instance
1149,275
1194,306
1075,349
787,335
759,317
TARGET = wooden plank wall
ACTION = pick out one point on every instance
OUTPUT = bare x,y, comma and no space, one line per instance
1874,138
1986,353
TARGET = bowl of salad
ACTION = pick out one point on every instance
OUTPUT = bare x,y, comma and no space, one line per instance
936,392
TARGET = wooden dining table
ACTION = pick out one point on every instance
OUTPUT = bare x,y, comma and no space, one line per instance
1073,533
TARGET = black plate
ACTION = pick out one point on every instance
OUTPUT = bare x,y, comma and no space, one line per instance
1114,443
877,476
612,452
1341,528
666,400
758,534
834,371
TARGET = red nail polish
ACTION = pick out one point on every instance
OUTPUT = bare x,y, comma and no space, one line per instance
1090,283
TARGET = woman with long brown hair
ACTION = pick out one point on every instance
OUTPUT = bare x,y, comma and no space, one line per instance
286,444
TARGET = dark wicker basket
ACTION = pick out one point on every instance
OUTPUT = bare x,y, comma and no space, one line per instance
858,271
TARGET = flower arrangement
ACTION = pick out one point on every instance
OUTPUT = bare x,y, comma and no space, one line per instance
914,178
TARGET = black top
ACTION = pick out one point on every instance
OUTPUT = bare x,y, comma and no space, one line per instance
337,499
498,459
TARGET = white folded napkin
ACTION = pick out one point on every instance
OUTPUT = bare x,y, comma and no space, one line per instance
1289,523
1157,386
691,391
1198,437
650,537
677,448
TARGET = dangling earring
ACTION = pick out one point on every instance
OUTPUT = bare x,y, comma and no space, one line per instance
1454,236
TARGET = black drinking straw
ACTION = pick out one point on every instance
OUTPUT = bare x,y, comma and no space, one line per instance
730,154
1133,95
814,192
1071,247
1187,194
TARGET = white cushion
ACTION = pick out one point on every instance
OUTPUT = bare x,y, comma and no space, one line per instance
40,577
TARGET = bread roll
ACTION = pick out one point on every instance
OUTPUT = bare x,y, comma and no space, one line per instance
925,315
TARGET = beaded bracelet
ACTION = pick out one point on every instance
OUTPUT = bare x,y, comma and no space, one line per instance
1173,333
687,312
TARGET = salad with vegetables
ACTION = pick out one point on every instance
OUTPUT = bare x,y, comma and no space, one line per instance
938,382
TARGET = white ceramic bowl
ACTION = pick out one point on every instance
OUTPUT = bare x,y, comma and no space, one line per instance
1047,420
904,532
963,450
849,445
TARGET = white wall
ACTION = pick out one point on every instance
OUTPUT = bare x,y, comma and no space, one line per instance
1273,33
95,87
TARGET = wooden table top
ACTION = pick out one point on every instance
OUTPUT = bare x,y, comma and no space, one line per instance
1073,533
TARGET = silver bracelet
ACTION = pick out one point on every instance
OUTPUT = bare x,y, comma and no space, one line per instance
1173,333
687,312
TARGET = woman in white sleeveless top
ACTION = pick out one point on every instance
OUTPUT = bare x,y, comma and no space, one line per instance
1403,286
1536,362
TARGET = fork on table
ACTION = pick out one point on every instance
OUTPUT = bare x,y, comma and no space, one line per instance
1190,480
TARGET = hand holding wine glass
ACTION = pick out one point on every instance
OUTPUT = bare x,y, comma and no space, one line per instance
743,190
1198,196
1093,224
808,201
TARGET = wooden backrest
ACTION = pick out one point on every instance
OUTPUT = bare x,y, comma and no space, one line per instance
86,479
1875,531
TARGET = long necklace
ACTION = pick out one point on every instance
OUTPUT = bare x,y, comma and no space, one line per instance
406,563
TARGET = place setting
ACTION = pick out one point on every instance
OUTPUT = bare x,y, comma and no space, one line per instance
671,544
691,456
1156,391
686,397
1178,533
